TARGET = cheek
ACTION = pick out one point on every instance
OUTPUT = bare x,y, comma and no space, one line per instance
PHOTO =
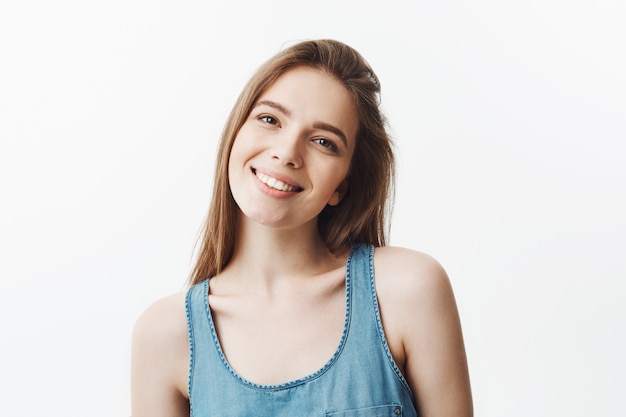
244,149
238,152
236,161
343,168
335,179
245,145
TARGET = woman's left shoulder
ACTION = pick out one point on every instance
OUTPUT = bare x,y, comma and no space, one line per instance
423,329
408,272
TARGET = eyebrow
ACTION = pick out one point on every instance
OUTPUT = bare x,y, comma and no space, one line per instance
330,128
317,125
275,105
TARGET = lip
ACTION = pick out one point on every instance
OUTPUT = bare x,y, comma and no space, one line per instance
281,177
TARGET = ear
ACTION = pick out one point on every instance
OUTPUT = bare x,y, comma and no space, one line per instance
339,194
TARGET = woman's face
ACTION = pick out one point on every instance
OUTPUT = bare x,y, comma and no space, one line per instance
293,152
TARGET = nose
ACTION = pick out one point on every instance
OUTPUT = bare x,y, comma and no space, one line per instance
287,150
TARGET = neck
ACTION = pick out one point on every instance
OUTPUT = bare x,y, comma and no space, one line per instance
271,255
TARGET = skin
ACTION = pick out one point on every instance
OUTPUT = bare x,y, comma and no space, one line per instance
284,292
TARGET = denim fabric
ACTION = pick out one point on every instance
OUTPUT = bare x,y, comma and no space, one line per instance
360,379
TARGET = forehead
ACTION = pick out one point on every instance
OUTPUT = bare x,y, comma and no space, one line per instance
312,95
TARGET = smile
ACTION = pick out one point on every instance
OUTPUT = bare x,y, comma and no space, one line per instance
274,183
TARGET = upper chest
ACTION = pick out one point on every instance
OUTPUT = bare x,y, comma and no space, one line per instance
287,335
281,337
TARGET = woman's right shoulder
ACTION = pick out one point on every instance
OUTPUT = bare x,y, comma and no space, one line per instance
163,320
160,359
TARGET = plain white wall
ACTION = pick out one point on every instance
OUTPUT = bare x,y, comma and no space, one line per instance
509,120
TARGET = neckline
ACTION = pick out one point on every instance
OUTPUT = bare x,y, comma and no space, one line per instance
298,381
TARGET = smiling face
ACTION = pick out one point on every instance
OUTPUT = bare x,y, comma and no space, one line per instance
293,152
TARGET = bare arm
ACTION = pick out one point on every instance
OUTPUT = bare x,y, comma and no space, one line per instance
426,331
160,360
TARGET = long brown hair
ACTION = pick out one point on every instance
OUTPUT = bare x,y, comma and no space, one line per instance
361,216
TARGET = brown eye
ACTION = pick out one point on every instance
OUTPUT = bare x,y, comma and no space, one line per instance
268,120
326,144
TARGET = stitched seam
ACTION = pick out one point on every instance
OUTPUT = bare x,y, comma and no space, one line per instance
191,347
379,326
278,387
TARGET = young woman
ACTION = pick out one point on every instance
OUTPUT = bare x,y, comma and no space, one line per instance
296,306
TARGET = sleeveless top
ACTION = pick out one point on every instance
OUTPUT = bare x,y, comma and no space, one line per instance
361,379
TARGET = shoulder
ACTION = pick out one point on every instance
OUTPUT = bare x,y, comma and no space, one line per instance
162,321
408,273
411,283
423,329
160,356
413,258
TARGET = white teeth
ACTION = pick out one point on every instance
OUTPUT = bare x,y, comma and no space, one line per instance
274,183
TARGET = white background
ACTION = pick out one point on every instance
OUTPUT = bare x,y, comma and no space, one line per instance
509,119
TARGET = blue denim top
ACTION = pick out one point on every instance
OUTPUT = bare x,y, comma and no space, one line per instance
360,379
